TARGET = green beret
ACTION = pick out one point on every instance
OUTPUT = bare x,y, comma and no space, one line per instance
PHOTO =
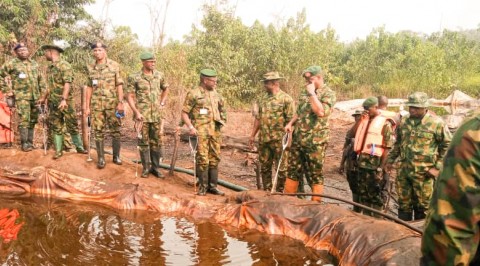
147,56
312,71
52,46
208,72
271,76
370,101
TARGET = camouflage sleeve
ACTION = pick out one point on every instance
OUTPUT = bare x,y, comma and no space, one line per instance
130,87
222,109
443,138
328,100
387,133
3,75
452,234
118,76
289,109
42,83
67,73
189,102
163,84
395,151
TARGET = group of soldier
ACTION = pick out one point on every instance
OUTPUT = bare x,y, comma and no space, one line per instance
291,137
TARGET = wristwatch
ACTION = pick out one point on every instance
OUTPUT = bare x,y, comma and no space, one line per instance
162,104
63,99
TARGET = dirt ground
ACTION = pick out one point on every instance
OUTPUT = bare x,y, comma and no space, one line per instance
236,166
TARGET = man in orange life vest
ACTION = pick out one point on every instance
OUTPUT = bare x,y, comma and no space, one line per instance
373,140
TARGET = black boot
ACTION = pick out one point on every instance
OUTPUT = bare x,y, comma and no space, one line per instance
145,158
58,141
202,182
405,216
31,131
212,182
419,213
356,199
155,155
116,151
101,154
24,139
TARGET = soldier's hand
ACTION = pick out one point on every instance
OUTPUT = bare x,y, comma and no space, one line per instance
341,170
63,105
139,116
250,142
120,108
433,172
192,131
288,128
41,101
87,111
388,167
311,88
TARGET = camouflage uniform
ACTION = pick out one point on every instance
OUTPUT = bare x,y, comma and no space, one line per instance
59,73
420,145
452,232
104,97
310,138
371,180
350,164
274,113
27,84
207,113
147,90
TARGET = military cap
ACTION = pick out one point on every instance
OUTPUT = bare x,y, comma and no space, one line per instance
312,71
19,45
98,45
147,56
271,76
418,99
52,46
369,102
357,112
208,72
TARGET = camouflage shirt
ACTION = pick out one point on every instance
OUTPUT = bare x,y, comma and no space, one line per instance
374,162
452,232
274,113
27,82
148,90
58,73
206,109
310,128
104,79
421,144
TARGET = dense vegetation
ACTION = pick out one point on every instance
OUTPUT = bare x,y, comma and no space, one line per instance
382,63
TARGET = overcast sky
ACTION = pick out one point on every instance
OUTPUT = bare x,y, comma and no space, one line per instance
351,19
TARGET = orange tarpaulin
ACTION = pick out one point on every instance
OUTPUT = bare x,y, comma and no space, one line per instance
6,132
354,239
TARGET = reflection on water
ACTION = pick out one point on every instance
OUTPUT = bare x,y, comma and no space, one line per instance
59,232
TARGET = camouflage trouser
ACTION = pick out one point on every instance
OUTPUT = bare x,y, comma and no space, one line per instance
208,151
353,182
60,118
370,186
414,190
27,114
268,156
152,136
102,119
312,158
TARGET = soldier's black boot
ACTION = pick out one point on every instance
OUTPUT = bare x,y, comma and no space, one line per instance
24,139
405,216
116,151
78,144
145,158
356,199
212,182
58,141
101,154
419,213
202,182
31,131
155,154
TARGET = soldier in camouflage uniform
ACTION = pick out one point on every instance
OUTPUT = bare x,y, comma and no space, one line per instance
105,101
452,232
204,113
311,132
421,143
20,77
60,100
376,143
274,113
150,90
348,162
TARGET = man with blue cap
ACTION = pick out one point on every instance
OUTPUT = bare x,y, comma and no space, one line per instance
150,89
21,78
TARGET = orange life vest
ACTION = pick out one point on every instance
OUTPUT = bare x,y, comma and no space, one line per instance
369,138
